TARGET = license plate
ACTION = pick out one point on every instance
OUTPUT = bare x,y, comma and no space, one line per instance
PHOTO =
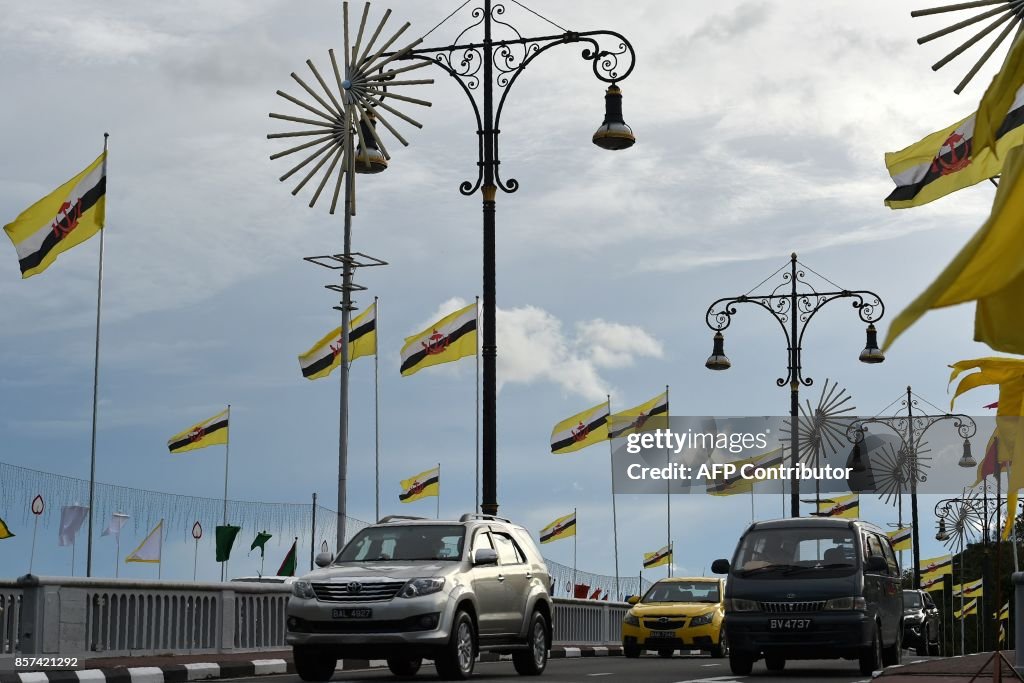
663,634
789,624
352,613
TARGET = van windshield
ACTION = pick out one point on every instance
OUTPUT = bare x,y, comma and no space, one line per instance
797,551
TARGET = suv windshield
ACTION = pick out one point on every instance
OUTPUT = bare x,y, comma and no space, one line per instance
796,550
911,599
683,591
405,543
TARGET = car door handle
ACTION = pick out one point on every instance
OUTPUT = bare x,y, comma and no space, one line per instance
501,577
529,575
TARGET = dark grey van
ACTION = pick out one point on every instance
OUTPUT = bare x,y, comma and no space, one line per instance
812,588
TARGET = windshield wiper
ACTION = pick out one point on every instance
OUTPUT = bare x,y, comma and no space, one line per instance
770,567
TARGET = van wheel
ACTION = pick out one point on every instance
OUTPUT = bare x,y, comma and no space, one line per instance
722,649
774,662
892,655
532,662
404,666
741,663
871,656
456,660
313,665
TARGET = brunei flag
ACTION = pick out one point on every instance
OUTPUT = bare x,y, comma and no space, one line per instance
563,527
901,539
847,507
730,485
325,355
450,338
658,557
971,589
946,160
581,430
970,607
1004,612
937,566
423,485
209,432
647,416
66,217
933,583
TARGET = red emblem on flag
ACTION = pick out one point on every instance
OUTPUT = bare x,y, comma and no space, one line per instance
640,420
336,349
67,219
417,487
196,434
435,344
957,162
580,432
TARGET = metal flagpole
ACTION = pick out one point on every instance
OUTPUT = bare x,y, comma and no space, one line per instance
95,382
312,538
160,564
477,489
668,489
117,555
376,407
577,522
438,491
227,451
615,519
346,305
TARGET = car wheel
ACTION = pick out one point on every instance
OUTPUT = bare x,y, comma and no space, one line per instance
741,663
893,655
456,660
532,662
666,654
774,662
313,665
871,656
404,666
722,649
630,651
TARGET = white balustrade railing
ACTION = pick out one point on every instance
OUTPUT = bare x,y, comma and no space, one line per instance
82,617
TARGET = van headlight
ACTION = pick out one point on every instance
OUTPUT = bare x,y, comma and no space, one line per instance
304,590
703,619
631,619
847,604
414,588
741,605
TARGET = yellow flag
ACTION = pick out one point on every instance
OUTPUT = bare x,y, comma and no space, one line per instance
66,217
969,609
658,557
423,485
209,432
932,583
563,527
581,430
324,357
971,589
989,270
846,507
649,415
5,531
450,338
936,567
902,539
723,485
999,98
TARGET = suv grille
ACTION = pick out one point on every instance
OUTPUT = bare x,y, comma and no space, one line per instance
357,591
786,607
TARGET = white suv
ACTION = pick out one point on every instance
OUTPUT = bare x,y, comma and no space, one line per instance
408,589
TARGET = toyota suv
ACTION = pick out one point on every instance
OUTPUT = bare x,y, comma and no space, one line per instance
408,589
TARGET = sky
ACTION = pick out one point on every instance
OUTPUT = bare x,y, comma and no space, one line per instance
761,129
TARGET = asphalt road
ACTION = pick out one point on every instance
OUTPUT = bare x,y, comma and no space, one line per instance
650,669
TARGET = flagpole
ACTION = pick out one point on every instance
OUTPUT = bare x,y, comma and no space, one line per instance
312,539
668,486
117,554
615,519
95,384
227,452
32,556
195,561
346,312
477,488
376,408
575,517
438,491
160,563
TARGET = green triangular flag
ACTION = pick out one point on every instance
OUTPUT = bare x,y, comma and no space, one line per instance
261,540
288,566
226,539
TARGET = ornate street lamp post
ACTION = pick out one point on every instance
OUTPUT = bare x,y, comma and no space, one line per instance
911,427
486,71
794,310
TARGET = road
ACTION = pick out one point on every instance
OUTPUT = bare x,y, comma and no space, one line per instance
650,669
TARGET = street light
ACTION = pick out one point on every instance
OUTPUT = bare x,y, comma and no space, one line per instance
794,308
911,427
486,72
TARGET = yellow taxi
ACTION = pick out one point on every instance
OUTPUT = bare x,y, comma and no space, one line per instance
677,614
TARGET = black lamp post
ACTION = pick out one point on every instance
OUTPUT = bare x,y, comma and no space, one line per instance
793,310
911,427
486,72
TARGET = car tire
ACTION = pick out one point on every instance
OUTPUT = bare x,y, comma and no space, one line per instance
722,649
313,665
893,655
774,663
871,656
741,663
630,651
455,661
404,666
532,662
666,654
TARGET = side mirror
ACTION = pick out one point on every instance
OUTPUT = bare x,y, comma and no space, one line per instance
875,564
323,559
485,556
633,599
720,566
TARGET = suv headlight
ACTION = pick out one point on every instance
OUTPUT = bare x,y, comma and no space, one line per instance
845,604
741,605
704,619
631,619
414,588
304,590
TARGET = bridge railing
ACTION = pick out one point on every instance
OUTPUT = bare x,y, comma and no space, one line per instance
83,617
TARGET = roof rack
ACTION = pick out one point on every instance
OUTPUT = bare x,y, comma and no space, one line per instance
391,518
475,515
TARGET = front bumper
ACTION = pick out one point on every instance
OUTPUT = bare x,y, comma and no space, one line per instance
689,637
831,634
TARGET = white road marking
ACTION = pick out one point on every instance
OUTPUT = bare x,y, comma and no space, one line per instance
707,665
606,673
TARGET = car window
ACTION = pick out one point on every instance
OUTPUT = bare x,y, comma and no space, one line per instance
795,549
482,540
890,556
420,542
911,599
928,602
508,553
873,546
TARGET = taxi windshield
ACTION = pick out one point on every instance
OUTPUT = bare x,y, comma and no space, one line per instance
683,591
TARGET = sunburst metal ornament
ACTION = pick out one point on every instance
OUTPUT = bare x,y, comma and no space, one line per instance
1008,12
822,430
349,109
961,520
894,469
